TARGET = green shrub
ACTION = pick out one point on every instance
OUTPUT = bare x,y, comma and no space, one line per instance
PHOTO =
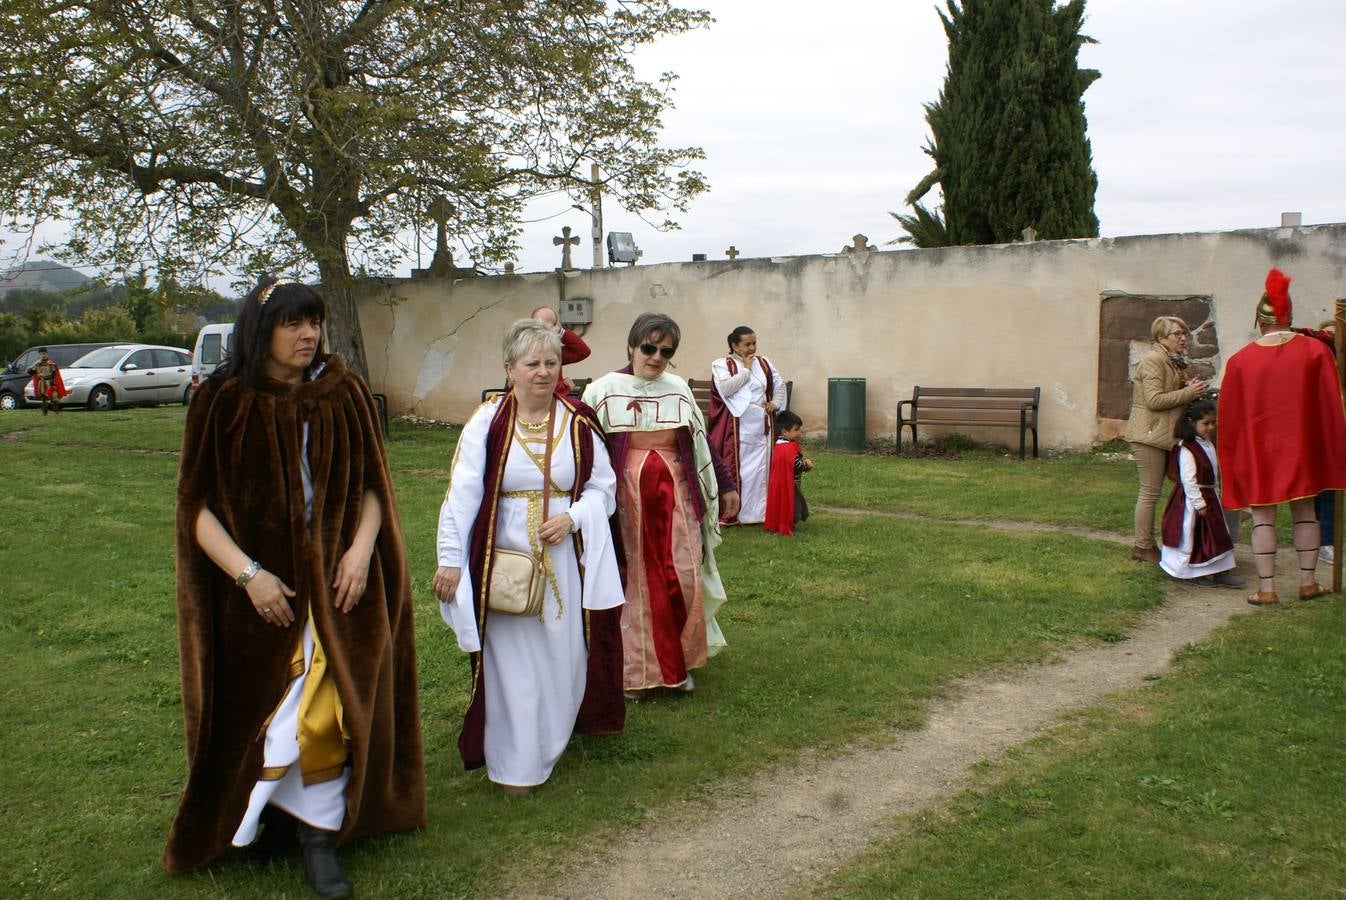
111,323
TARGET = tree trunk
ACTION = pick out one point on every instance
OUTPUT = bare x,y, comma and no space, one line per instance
343,323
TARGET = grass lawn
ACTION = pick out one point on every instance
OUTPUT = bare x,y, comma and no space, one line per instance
1226,778
835,637
1083,489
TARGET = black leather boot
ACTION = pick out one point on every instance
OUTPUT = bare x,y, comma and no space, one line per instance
277,836
320,864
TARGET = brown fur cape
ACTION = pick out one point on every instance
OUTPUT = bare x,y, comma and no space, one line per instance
241,459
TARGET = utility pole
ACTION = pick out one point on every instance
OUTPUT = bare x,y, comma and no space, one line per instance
596,212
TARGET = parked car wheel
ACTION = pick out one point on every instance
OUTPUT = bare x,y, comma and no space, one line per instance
187,394
101,398
9,401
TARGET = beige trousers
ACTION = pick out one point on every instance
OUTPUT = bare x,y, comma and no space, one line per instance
1150,463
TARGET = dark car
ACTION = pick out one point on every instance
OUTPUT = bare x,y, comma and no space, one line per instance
15,377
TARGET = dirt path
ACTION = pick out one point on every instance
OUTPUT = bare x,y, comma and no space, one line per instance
794,825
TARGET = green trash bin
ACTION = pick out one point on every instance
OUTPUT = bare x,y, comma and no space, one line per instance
846,414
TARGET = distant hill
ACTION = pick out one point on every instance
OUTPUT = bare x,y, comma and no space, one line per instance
42,275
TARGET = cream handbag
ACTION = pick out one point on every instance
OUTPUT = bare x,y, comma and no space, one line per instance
518,582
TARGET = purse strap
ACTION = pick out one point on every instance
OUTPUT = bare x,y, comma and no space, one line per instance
546,463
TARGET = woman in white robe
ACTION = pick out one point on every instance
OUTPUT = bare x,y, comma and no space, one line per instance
748,392
533,672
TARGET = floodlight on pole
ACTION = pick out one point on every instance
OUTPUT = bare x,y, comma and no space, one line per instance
622,248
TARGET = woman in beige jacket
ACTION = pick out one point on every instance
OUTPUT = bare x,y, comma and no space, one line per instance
1160,389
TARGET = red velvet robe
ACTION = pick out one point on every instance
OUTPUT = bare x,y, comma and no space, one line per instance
1281,425
780,490
603,709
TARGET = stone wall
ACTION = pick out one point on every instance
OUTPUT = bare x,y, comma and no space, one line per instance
1067,316
1124,337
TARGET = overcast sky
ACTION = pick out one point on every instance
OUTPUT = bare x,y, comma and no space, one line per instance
1210,115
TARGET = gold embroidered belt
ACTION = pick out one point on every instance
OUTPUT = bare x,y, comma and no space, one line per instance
534,499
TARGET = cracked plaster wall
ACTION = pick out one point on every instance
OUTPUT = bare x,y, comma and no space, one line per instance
1003,315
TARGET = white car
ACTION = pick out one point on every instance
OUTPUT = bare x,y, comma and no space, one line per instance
126,375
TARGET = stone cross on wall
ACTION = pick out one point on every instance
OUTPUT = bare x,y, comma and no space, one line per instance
565,242
859,244
732,252
441,263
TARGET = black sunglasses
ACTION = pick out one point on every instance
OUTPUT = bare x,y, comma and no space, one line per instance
651,349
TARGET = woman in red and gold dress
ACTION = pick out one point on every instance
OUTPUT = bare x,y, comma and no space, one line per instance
668,505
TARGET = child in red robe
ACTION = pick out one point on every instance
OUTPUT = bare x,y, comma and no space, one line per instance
785,504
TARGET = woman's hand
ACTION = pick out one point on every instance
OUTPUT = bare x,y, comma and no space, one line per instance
770,407
445,583
554,530
351,577
1197,386
268,595
729,504
808,465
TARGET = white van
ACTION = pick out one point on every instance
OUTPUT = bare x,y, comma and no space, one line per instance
212,346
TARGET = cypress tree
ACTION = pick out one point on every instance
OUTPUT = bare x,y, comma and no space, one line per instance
1008,130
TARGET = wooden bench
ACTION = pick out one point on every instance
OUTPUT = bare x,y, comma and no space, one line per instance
701,391
942,407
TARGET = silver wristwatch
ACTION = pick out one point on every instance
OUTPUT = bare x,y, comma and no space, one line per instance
246,575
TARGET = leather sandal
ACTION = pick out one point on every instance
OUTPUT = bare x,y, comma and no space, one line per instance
1310,591
1264,598
1145,554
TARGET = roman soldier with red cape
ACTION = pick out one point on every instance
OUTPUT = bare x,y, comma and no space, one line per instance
1281,426
48,386
1282,432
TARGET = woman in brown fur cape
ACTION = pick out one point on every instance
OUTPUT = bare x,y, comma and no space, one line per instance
294,606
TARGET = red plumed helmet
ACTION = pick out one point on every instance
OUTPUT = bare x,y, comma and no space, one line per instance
1278,292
